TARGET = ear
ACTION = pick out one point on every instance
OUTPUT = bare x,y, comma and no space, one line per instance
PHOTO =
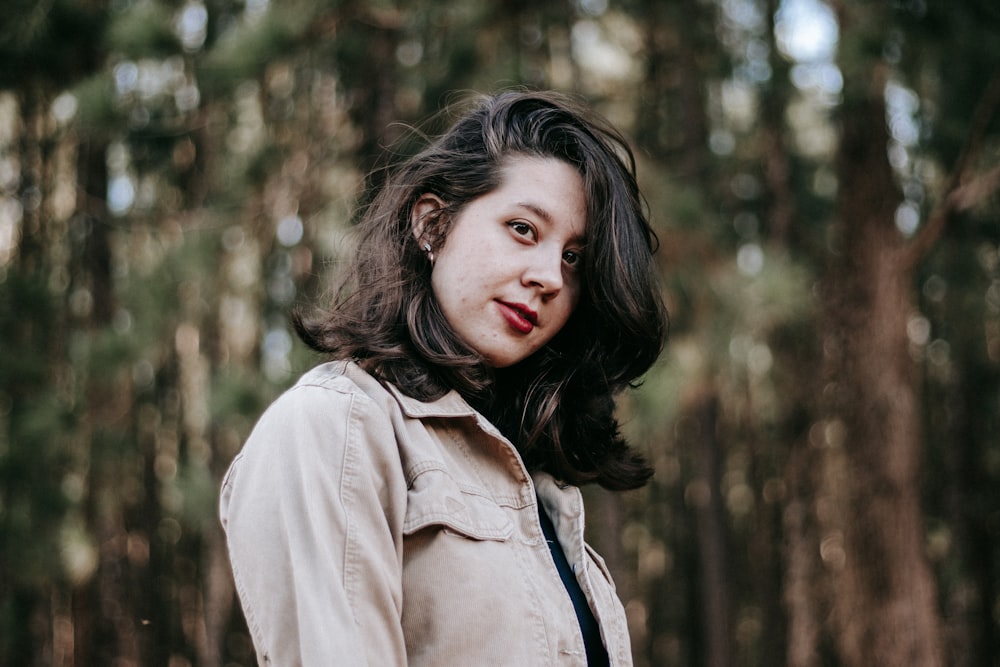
423,209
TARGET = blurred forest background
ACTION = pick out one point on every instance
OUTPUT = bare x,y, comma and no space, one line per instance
176,175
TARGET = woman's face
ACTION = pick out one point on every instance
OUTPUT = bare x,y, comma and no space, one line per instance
508,274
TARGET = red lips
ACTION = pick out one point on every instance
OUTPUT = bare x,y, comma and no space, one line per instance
519,316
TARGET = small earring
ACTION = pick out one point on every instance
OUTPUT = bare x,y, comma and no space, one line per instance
427,247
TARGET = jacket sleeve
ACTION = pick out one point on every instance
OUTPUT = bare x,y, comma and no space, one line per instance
312,508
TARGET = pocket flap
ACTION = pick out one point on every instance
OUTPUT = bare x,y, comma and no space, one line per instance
436,499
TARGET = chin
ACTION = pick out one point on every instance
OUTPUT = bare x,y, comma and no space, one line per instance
502,360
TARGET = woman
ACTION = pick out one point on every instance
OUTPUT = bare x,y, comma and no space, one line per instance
413,501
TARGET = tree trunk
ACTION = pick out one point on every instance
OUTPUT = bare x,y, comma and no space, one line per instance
967,507
710,517
802,565
884,596
781,204
671,120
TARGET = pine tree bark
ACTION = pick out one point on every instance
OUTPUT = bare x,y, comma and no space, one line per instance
710,518
801,555
671,120
883,593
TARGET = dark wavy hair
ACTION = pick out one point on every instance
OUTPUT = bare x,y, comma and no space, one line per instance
557,406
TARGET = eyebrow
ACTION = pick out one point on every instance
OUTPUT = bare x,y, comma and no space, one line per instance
537,210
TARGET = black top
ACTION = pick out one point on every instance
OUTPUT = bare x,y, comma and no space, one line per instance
597,655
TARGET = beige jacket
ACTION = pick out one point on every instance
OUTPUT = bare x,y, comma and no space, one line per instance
369,528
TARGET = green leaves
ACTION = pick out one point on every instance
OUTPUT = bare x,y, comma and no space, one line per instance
145,29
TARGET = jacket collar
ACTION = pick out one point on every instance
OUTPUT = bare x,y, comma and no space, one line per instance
449,405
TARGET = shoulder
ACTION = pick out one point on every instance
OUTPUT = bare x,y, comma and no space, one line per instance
344,381
332,407
334,428
338,415
323,389
344,377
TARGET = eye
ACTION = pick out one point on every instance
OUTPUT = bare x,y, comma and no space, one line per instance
572,258
521,228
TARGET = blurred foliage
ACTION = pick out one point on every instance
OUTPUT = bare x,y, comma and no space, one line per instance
177,175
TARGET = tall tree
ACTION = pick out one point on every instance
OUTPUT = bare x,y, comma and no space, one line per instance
884,595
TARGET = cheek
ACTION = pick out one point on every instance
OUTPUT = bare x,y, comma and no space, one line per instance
450,290
439,280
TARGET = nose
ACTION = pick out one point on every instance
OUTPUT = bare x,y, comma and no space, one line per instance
544,272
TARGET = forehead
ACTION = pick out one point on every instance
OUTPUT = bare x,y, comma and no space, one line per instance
546,187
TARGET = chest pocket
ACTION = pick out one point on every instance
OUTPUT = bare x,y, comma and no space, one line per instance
435,498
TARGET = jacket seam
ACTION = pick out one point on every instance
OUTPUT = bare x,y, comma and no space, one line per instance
347,497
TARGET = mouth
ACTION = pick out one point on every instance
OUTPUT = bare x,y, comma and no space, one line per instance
519,316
